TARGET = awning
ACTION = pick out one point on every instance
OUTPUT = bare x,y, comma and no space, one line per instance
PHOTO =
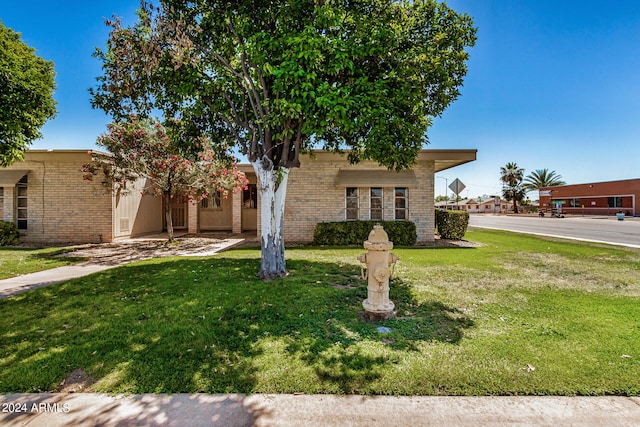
10,177
376,178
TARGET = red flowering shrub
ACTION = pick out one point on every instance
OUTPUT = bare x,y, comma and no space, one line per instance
144,149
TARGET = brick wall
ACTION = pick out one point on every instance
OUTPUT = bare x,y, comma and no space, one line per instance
315,195
62,207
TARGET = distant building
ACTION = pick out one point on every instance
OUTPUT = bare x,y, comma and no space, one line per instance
476,206
597,198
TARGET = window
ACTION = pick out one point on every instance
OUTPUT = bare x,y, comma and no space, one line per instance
214,201
21,199
615,202
250,196
574,203
401,204
375,203
352,203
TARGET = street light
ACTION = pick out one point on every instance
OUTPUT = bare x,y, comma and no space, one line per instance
446,186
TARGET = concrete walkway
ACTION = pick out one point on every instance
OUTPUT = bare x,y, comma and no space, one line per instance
89,409
27,282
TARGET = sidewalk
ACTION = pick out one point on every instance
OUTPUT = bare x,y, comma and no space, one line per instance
88,409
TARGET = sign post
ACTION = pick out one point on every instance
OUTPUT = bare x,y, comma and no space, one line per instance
457,186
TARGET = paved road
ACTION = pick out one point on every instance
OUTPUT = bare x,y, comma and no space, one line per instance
604,229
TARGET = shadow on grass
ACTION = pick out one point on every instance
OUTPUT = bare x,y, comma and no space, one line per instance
208,325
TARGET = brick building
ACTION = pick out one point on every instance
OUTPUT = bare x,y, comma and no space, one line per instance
47,198
51,203
598,198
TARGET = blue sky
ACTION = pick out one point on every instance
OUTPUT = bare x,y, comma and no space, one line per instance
551,84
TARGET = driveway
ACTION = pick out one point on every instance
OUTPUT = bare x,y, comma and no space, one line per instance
592,229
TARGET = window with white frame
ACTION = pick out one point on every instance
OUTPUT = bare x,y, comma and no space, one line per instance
21,205
376,204
401,204
351,203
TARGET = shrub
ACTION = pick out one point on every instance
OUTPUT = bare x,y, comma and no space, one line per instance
8,234
347,233
452,224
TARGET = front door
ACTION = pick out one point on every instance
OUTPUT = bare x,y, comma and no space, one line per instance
178,216
250,208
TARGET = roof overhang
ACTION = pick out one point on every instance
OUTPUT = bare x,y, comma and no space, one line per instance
10,177
376,178
447,159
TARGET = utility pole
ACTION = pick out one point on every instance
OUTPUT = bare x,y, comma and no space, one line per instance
446,187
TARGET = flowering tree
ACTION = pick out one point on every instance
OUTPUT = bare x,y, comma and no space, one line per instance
145,149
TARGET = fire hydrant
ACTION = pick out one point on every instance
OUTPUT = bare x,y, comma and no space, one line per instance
378,261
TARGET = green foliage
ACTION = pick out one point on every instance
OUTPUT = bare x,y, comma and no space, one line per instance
9,234
511,176
275,78
26,95
348,233
542,178
452,224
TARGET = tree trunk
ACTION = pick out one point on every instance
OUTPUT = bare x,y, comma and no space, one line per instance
167,215
515,204
273,190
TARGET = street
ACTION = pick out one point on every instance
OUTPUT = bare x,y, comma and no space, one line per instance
594,229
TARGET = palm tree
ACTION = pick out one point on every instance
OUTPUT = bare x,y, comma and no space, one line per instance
511,176
542,178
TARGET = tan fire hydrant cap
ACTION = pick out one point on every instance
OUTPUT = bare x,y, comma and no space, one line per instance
378,235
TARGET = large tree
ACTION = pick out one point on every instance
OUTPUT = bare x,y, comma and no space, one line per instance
276,78
26,95
511,176
145,149
542,178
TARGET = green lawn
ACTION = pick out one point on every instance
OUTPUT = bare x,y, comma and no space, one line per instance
17,261
519,315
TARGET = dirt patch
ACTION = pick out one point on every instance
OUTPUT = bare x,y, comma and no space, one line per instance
448,243
76,382
125,251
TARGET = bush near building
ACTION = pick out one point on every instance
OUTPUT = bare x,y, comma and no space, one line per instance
9,235
452,224
349,233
